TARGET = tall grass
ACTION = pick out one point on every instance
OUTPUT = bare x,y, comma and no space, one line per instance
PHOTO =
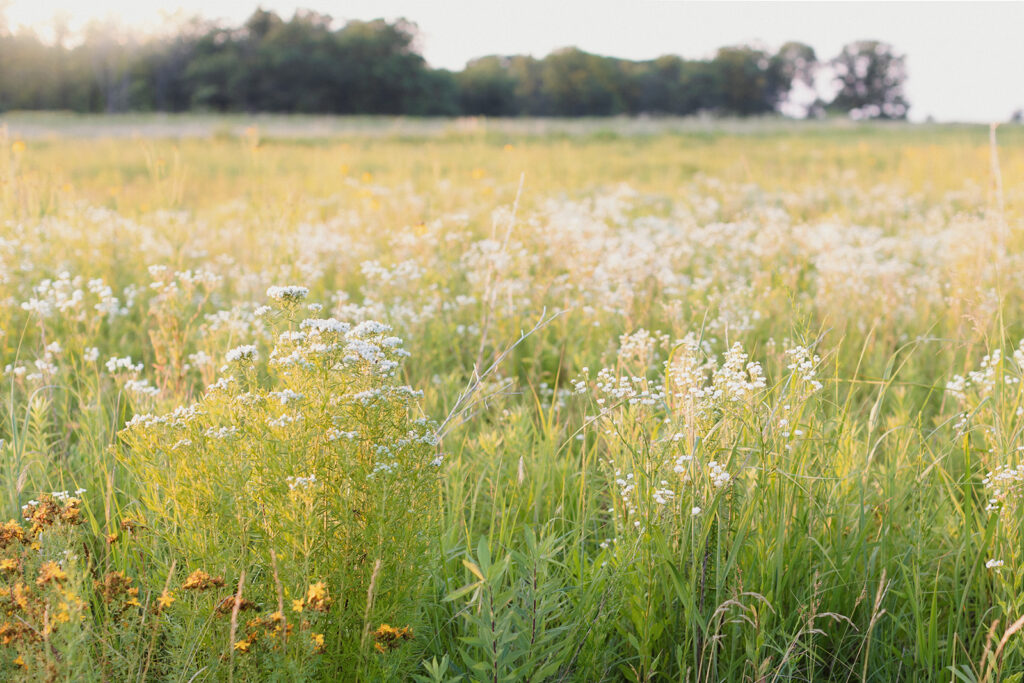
686,405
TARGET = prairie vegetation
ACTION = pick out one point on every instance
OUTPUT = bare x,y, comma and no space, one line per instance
483,403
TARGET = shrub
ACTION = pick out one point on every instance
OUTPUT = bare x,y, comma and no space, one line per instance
308,471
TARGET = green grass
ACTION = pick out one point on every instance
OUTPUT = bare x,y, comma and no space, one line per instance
595,313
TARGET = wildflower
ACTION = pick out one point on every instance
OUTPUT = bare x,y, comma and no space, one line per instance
72,512
246,352
165,600
297,605
10,532
389,638
318,642
288,293
50,572
8,564
317,598
994,564
116,365
201,581
243,645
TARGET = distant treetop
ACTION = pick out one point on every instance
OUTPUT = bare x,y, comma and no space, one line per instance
307,65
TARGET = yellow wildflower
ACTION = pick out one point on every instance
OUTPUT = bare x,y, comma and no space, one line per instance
389,638
165,600
317,597
50,571
200,580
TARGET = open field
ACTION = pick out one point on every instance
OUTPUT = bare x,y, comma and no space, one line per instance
577,401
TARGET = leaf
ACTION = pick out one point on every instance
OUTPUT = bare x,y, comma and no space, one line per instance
474,569
459,592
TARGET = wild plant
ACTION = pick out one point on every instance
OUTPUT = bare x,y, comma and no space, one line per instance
303,465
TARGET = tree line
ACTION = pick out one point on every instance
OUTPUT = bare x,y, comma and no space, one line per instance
306,65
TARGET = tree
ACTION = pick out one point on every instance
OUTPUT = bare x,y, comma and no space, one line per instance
870,75
487,87
577,83
745,82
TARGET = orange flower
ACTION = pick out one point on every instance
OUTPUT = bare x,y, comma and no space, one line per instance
10,532
50,572
389,638
200,580
317,598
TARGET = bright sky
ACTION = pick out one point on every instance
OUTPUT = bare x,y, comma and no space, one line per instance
965,59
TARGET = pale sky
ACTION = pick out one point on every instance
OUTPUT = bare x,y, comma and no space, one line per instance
965,59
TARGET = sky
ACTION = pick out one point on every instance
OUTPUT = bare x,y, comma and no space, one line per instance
965,60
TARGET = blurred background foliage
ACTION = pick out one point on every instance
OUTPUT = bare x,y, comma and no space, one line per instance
310,64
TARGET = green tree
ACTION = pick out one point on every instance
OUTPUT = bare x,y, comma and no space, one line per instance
577,83
869,76
486,86
745,81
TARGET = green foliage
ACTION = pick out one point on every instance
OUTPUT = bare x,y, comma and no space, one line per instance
307,65
315,472
870,77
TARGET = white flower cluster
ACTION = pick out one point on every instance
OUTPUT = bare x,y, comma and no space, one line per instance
288,293
141,387
123,365
719,476
329,341
737,379
1003,484
300,482
287,396
804,365
221,432
246,352
70,297
283,420
982,381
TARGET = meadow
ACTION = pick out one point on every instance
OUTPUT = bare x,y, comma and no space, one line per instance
510,401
